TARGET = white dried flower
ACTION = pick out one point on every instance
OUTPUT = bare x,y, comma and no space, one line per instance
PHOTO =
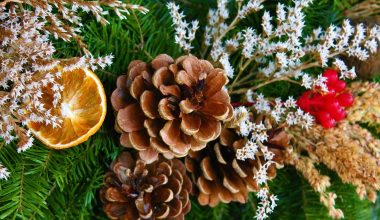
290,102
223,9
266,205
251,6
320,83
185,33
250,39
4,174
267,26
261,176
261,104
282,59
224,60
244,126
250,95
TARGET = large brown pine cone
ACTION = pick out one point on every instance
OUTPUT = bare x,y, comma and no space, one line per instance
136,190
221,177
169,106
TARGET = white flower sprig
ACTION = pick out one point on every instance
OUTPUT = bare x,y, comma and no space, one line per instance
266,205
280,114
282,50
184,33
4,174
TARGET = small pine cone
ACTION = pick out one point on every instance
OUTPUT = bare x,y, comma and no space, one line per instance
221,177
170,107
136,190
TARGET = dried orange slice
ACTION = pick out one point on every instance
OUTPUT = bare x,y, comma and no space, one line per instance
82,110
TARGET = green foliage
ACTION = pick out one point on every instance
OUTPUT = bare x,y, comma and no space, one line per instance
297,200
51,184
46,184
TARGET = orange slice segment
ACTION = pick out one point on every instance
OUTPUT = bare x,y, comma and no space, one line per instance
83,109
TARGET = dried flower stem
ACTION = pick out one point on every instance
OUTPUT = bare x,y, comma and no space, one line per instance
232,24
243,91
5,2
349,150
363,9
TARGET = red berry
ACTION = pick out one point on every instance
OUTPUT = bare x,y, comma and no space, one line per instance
338,85
345,99
328,108
331,104
329,98
331,90
317,97
339,114
324,118
304,101
331,75
329,124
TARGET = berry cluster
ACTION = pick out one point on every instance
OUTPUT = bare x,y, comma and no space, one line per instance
328,108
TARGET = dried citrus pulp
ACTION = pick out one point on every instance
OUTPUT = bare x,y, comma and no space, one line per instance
82,110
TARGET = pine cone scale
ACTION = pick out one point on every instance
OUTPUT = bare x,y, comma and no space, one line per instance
166,110
120,99
217,110
162,77
139,139
153,127
162,211
149,155
131,118
138,86
176,186
215,82
171,135
135,69
187,107
162,195
190,123
207,169
119,209
171,90
162,60
149,103
114,195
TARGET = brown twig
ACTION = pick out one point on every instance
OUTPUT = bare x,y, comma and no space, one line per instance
4,3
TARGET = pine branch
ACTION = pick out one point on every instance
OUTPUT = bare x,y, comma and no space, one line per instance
24,192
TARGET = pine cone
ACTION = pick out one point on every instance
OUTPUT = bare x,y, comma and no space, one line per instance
221,177
136,190
169,106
